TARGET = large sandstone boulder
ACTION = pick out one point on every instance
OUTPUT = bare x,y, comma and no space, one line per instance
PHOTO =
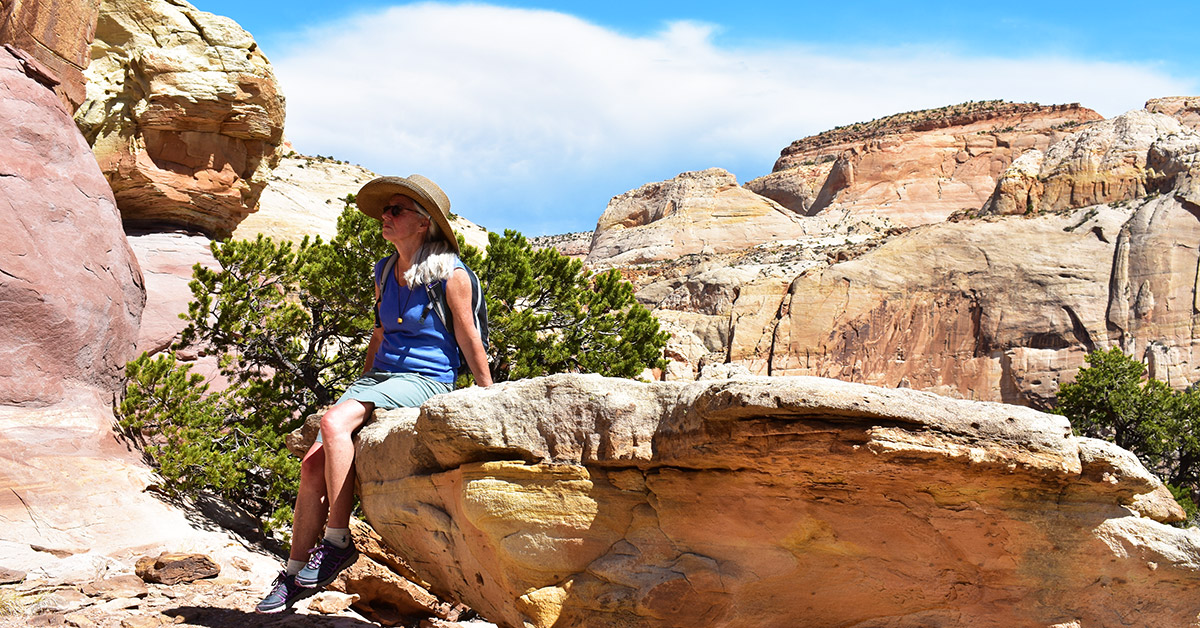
582,501
696,212
183,112
71,291
55,36
75,504
916,168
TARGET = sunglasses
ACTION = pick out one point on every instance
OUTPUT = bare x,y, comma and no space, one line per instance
396,210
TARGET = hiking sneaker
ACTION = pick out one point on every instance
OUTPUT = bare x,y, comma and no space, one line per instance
284,593
325,562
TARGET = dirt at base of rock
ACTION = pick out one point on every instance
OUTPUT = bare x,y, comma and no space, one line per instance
201,604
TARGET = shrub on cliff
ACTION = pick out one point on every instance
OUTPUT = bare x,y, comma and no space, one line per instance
290,325
1109,399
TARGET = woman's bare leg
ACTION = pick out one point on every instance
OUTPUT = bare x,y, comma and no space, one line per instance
311,508
337,426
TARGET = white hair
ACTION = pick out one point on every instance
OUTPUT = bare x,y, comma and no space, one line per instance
434,261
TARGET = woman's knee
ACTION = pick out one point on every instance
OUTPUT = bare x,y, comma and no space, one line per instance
342,419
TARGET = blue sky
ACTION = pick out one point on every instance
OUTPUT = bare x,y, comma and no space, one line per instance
532,115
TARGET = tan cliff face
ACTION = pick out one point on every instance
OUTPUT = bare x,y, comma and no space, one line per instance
696,212
1087,243
1125,158
183,113
584,501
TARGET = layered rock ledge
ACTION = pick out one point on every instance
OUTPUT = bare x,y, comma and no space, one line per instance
584,501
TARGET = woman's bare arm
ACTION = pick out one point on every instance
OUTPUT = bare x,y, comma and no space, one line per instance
458,298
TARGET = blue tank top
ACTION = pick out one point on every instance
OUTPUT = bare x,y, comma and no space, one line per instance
414,340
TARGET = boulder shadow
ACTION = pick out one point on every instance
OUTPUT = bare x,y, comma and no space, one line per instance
217,617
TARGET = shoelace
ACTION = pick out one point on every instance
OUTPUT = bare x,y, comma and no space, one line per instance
315,554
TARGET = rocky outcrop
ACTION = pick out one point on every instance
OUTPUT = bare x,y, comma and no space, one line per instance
920,167
696,212
304,197
53,38
183,113
583,501
1097,246
1183,108
1117,160
70,290
574,245
795,187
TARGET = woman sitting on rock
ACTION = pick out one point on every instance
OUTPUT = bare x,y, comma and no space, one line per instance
411,357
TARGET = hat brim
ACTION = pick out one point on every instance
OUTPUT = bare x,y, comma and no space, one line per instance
376,194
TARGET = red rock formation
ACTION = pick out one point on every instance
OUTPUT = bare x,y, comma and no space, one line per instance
70,301
71,291
183,113
57,34
920,167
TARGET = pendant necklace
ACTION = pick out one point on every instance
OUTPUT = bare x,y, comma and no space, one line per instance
400,318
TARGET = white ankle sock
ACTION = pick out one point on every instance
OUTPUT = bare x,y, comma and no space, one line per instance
294,566
338,536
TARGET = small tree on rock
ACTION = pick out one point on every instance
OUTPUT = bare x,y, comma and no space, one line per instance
1109,399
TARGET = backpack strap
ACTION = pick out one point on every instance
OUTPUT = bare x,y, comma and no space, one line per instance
436,291
381,272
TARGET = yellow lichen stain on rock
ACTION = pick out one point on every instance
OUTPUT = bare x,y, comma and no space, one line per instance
813,536
543,520
543,606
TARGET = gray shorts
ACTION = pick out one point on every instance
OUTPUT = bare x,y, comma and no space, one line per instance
393,390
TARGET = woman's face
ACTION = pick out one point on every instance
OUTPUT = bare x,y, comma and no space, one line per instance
401,219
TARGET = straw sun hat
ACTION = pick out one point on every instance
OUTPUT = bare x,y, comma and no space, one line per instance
374,196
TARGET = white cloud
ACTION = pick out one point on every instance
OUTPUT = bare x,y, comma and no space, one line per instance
532,119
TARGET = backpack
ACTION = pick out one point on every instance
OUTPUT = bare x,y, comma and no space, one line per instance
436,292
